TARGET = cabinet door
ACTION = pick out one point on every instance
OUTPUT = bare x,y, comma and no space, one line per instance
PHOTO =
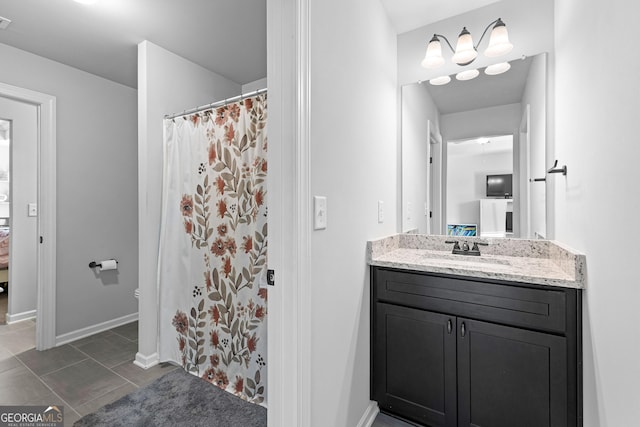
414,372
510,377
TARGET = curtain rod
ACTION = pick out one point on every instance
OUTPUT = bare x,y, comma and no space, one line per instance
216,104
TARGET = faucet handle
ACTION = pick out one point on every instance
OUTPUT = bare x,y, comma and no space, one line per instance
456,244
465,246
475,245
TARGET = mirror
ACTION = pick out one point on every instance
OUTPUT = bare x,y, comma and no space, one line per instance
461,145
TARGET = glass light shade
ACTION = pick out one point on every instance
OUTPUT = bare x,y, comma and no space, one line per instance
433,57
499,42
467,74
439,81
465,52
495,69
86,1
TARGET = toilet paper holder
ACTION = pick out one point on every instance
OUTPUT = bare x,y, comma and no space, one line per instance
94,264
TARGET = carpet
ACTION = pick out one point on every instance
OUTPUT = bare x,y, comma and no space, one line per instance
178,399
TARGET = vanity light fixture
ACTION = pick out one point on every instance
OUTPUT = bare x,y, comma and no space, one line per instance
439,81
465,52
467,74
495,69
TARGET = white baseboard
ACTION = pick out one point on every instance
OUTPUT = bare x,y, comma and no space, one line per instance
146,362
369,415
91,330
25,315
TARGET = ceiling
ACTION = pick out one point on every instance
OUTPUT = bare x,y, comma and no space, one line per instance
481,146
227,37
406,15
224,36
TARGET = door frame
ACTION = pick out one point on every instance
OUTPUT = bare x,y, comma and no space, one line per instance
289,198
46,220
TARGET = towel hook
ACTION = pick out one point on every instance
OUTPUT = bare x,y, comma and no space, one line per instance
556,169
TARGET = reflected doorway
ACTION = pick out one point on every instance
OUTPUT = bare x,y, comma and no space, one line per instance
480,187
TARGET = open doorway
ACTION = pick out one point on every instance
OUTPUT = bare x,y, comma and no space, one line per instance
18,227
38,208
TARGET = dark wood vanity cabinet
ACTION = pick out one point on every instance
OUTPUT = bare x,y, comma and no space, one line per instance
450,351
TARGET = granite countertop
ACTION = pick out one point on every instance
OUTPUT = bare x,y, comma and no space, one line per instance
540,262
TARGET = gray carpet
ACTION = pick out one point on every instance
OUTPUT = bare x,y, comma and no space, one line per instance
178,399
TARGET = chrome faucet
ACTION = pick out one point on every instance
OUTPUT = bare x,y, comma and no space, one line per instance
465,250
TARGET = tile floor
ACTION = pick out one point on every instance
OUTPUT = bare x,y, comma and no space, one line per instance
383,420
81,376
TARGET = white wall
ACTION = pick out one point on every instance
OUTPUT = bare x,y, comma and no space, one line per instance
167,84
597,203
354,163
255,85
535,95
501,120
96,206
418,110
24,190
468,165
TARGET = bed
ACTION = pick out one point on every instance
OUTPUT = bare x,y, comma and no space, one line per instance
4,254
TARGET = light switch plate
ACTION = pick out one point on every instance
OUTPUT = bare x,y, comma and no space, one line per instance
32,209
380,211
319,212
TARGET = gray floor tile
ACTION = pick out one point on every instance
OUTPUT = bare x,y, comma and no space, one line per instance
44,362
140,376
129,331
18,326
49,399
5,354
8,363
80,383
19,341
70,417
19,386
105,399
110,350
91,338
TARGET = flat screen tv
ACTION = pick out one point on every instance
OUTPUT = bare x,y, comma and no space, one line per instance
500,185
462,229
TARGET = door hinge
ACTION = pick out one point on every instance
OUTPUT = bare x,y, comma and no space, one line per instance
271,277
430,159
41,239
430,214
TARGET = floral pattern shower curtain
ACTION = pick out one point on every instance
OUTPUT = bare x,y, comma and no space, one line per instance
213,246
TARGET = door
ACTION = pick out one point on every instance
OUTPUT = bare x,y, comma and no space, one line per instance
510,377
415,364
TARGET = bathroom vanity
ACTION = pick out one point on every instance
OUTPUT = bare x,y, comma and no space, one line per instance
488,341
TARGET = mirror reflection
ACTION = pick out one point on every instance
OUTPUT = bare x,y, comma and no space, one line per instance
472,151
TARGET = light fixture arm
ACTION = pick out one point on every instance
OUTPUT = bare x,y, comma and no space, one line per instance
436,37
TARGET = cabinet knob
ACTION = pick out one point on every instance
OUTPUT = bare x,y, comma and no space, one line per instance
463,330
449,326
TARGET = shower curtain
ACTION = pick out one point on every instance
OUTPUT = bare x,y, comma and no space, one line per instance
213,246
